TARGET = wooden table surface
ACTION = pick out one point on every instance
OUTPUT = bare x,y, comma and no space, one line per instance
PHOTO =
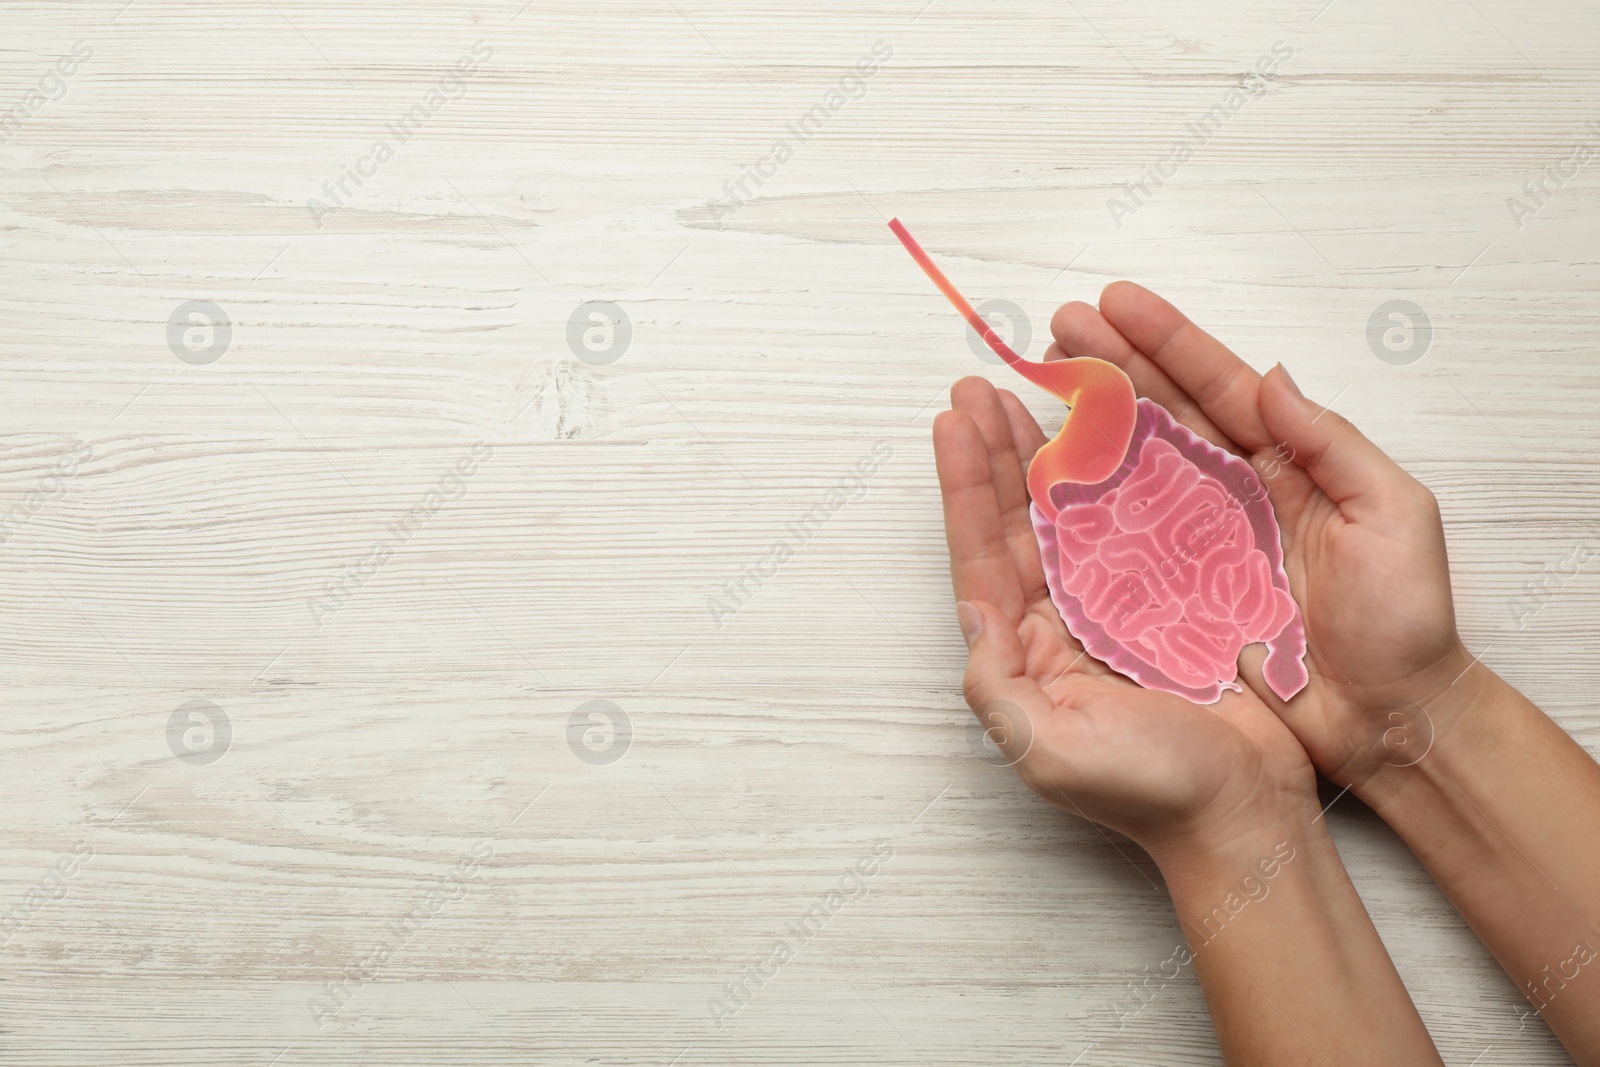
329,438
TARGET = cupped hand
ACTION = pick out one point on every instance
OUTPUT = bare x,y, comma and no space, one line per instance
1363,543
1149,764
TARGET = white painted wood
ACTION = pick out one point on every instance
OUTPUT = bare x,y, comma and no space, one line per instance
772,348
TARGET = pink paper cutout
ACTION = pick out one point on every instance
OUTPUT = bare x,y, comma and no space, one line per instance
1165,569
1168,568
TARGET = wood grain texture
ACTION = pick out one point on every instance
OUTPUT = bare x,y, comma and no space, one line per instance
374,747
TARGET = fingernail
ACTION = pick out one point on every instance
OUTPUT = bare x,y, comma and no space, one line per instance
971,620
1289,378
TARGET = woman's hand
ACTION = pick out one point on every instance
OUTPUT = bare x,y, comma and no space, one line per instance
1364,546
1160,769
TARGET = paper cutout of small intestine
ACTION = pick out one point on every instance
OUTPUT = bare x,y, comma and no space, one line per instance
1160,549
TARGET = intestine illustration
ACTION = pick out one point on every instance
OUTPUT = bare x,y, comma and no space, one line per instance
1160,549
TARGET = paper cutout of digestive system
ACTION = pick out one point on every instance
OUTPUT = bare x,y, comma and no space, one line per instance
1161,550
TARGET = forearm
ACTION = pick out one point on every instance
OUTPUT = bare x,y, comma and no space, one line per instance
1504,810
1292,968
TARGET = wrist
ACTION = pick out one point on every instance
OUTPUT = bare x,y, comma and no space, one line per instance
1226,850
1223,882
1396,724
1437,739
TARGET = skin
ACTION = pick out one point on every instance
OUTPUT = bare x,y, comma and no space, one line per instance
1496,800
1214,793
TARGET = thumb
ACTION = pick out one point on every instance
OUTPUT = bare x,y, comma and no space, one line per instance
1355,473
996,685
995,655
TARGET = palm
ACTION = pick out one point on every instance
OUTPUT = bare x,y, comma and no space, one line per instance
1132,758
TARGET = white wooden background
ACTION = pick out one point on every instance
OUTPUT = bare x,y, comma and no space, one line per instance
769,354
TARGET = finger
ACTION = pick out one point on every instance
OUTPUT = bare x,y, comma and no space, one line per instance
980,401
1306,708
1029,439
995,654
981,563
1351,470
1290,489
1024,429
1080,330
1252,661
1220,382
